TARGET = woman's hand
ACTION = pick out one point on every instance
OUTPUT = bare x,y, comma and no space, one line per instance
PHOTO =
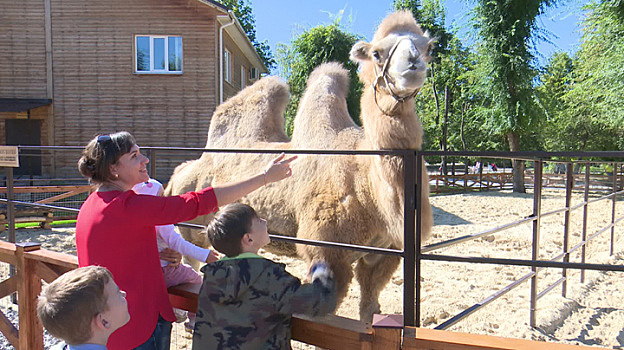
212,257
278,169
170,255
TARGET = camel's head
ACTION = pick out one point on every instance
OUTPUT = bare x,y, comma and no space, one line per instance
396,59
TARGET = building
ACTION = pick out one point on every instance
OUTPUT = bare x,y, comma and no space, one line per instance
73,69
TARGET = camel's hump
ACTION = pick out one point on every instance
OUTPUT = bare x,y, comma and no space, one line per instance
322,113
255,113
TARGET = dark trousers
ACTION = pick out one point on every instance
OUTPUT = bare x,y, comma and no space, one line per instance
160,339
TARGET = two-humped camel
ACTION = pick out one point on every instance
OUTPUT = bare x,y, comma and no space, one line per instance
339,198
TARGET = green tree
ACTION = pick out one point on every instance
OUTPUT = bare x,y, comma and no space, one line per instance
599,78
321,44
243,11
505,28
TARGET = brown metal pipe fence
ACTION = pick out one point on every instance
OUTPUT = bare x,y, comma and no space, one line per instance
413,169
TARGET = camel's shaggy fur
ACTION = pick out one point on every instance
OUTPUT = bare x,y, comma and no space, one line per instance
349,199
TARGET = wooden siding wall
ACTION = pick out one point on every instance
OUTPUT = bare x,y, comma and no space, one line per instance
238,59
22,49
96,90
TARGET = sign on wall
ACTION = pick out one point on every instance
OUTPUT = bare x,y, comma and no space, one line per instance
9,156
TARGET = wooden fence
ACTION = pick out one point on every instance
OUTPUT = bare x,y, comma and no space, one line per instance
43,216
441,183
331,332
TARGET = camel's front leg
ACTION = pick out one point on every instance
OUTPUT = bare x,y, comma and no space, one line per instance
373,272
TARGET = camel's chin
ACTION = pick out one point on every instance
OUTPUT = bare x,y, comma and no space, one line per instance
407,83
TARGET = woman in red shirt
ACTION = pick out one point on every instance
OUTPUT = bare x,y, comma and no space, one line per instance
116,229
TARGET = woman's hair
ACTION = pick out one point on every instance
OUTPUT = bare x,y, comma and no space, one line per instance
67,306
228,227
102,152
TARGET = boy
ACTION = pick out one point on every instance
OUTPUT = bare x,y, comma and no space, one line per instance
83,307
246,301
167,237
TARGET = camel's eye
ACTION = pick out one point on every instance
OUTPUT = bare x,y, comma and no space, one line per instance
376,55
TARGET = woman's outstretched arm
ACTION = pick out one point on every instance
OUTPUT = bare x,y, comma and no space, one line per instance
278,169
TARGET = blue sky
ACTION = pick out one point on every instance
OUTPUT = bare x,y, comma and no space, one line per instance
279,21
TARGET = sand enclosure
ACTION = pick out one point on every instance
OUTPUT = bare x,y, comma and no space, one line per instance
591,314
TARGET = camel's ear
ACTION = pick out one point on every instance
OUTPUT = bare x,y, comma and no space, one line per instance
431,44
360,51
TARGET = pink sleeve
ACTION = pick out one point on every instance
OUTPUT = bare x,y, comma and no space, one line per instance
154,210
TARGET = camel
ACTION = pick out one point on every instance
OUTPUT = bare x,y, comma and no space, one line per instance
338,198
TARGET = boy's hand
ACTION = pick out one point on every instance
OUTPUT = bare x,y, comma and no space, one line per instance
322,272
171,256
212,257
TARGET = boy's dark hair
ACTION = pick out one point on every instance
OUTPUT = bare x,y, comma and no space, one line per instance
67,306
103,151
228,227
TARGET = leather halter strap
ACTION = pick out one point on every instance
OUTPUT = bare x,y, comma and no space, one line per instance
389,83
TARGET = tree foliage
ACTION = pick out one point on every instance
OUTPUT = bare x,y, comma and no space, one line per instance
583,94
321,44
243,11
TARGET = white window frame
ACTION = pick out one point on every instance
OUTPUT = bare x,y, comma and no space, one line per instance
151,55
243,77
227,65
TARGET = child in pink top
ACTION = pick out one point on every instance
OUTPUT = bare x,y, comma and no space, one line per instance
168,237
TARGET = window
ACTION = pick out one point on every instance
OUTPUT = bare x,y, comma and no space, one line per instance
227,66
243,77
158,54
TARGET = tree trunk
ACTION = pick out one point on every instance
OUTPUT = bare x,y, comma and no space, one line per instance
518,165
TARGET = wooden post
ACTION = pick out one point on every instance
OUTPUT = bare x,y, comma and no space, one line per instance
28,289
387,332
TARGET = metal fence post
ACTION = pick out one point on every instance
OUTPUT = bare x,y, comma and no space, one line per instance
566,226
411,247
537,208
615,189
11,220
10,208
585,208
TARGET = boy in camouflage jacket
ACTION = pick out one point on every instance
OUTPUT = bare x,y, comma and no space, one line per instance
247,301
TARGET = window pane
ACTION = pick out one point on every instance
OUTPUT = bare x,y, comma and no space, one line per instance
159,53
143,52
175,54
226,65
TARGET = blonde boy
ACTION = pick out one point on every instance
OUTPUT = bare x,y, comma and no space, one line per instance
83,307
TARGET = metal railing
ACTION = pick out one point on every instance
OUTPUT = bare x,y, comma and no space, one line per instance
413,169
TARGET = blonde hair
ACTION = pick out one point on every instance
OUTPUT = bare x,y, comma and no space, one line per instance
67,306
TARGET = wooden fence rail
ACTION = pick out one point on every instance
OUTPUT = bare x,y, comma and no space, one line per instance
331,332
43,216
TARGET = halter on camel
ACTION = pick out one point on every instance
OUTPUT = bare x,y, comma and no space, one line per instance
388,80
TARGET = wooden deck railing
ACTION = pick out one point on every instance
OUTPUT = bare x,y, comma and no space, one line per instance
331,332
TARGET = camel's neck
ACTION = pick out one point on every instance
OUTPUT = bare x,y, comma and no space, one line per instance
396,128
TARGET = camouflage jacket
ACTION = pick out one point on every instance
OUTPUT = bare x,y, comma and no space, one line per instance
247,302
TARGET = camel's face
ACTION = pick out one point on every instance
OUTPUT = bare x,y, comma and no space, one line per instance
401,57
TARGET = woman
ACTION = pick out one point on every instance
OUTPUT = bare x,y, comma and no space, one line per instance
116,229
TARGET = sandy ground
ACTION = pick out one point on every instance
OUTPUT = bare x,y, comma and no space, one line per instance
590,314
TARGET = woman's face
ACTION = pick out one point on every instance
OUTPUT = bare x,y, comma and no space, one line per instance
131,168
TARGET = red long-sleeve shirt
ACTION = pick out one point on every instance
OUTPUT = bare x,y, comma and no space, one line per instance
117,230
